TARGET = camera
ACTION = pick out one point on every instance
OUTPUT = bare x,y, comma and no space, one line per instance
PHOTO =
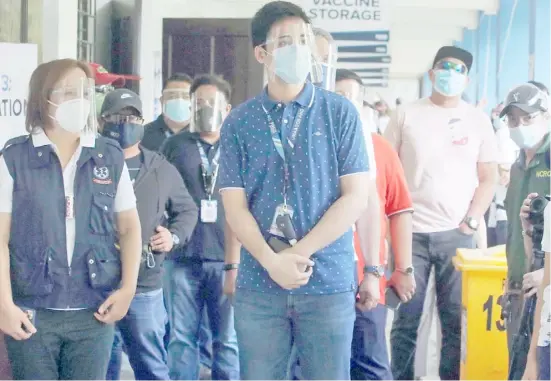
537,208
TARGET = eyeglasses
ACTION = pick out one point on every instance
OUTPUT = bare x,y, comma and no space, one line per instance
453,66
120,119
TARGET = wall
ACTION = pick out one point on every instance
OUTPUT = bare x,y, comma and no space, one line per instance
501,48
103,37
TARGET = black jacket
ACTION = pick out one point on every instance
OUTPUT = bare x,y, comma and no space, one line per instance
156,133
159,188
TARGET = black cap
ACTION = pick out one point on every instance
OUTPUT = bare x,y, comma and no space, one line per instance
454,52
119,99
526,97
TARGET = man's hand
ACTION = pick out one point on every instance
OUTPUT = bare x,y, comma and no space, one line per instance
531,282
465,229
116,306
525,212
369,292
162,241
15,323
230,278
404,284
531,369
287,269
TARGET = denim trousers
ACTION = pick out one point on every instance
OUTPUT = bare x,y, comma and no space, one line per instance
141,332
195,286
432,249
319,326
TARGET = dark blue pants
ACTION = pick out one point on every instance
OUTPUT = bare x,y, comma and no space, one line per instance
142,332
498,235
369,350
432,249
205,341
544,360
196,286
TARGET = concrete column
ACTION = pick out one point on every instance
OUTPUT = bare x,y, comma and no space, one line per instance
59,29
543,42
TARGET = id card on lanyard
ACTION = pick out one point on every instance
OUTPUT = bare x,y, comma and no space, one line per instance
209,207
284,209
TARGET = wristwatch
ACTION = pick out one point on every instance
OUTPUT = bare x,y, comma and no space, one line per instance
378,271
471,223
408,270
175,240
231,266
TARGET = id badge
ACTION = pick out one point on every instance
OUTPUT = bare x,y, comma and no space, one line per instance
281,210
209,211
69,207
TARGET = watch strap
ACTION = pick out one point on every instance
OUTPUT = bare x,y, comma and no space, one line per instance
378,270
231,266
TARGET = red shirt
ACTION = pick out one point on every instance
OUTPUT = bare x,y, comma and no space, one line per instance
393,195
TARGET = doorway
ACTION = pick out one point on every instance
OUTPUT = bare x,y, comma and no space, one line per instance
213,46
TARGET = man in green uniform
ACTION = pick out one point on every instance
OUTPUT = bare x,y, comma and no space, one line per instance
527,115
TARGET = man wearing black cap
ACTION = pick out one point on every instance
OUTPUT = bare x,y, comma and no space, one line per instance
449,152
527,115
158,187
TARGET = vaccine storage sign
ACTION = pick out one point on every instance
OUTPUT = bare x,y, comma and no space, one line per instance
16,66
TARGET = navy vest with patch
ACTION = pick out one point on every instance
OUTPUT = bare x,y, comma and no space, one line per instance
40,274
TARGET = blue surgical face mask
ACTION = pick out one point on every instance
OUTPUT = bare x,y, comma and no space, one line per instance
449,82
178,110
292,63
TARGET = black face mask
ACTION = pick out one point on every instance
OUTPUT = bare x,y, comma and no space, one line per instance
127,134
206,119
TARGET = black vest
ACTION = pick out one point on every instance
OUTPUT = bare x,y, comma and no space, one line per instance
40,274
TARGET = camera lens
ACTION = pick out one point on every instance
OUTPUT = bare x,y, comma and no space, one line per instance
538,204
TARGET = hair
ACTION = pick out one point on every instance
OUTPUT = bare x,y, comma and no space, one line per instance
318,32
343,74
177,77
540,86
270,14
41,85
213,80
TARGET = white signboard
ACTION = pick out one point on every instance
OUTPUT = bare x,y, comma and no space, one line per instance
348,15
16,66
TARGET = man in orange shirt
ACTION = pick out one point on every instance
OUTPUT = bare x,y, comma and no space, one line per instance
369,351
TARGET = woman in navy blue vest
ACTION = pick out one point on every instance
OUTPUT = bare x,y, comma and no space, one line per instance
65,199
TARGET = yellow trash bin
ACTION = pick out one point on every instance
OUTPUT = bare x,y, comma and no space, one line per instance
484,354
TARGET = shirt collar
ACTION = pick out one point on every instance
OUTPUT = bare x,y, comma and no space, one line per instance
304,99
40,139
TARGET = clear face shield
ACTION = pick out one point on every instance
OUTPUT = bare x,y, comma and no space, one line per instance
208,111
327,51
353,91
291,53
73,107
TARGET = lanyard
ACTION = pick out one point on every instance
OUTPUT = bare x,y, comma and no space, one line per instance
210,172
291,140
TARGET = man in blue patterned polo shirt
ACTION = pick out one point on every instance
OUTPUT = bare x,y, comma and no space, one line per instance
293,159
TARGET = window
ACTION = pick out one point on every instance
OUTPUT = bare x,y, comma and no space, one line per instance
86,30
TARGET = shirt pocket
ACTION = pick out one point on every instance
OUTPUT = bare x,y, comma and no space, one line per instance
104,268
102,218
31,276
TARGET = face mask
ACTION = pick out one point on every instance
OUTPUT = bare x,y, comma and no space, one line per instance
206,120
177,110
127,134
449,83
72,115
292,63
527,137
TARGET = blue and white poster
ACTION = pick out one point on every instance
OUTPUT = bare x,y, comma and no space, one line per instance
16,67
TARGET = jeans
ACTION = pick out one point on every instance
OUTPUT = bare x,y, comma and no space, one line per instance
168,265
369,350
142,332
205,341
268,325
68,345
544,354
432,249
196,285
